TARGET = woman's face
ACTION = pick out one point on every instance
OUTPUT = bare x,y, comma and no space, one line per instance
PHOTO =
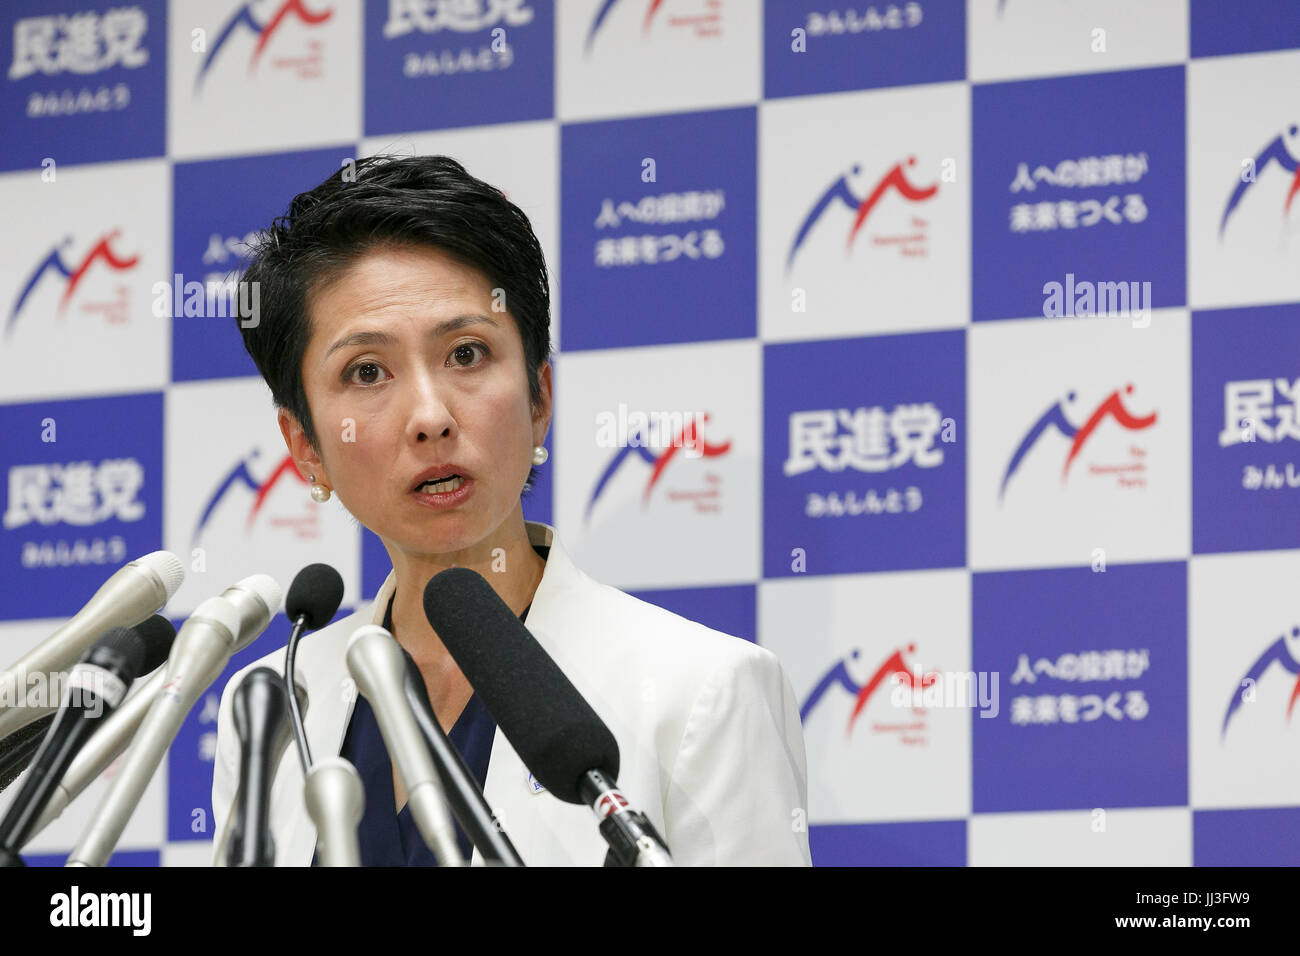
411,375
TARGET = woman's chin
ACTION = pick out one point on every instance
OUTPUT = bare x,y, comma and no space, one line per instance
445,534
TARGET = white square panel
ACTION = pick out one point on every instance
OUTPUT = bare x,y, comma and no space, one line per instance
1242,127
1243,673
1080,440
873,755
1013,39
660,516
77,288
256,76
1159,836
865,212
630,59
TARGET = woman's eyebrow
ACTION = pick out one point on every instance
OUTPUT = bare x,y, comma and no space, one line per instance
383,338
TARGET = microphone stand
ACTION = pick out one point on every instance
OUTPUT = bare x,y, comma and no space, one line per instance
458,784
295,713
332,788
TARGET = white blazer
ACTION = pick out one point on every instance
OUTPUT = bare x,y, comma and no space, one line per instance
708,730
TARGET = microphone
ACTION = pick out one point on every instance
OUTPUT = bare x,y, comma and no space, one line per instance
134,592
314,597
18,749
259,708
223,841
458,783
204,645
256,598
95,687
335,800
157,634
375,661
554,730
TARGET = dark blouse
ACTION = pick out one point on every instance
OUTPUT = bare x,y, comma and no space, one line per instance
393,839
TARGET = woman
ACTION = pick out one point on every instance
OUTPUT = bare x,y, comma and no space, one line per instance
404,334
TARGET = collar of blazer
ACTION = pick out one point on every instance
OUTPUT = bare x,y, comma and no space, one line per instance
322,667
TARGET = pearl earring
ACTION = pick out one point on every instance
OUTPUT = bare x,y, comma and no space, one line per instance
540,454
319,493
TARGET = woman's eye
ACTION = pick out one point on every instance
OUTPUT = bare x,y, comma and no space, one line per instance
365,373
463,355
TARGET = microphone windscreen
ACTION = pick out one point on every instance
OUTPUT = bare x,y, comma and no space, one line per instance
316,591
166,567
158,634
125,642
551,726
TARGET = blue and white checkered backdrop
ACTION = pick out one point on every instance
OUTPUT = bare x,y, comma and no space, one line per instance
986,313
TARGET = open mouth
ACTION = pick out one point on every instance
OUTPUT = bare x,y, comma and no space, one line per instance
441,486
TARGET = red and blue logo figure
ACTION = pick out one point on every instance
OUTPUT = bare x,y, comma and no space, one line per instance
1277,652
263,32
101,251
687,437
838,676
839,192
651,9
1112,406
1274,152
241,475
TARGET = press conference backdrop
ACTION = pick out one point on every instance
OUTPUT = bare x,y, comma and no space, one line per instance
986,316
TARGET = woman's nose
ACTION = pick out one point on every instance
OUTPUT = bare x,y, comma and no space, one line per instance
429,414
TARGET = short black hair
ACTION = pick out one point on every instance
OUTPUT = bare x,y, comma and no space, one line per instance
376,202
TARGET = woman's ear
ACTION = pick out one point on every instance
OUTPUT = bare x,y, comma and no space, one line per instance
542,412
295,439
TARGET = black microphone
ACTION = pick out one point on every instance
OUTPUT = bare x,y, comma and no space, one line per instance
20,737
458,784
554,730
314,598
158,634
18,749
95,687
259,709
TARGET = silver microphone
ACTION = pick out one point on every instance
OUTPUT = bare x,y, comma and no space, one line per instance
256,599
132,594
203,646
376,663
335,800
